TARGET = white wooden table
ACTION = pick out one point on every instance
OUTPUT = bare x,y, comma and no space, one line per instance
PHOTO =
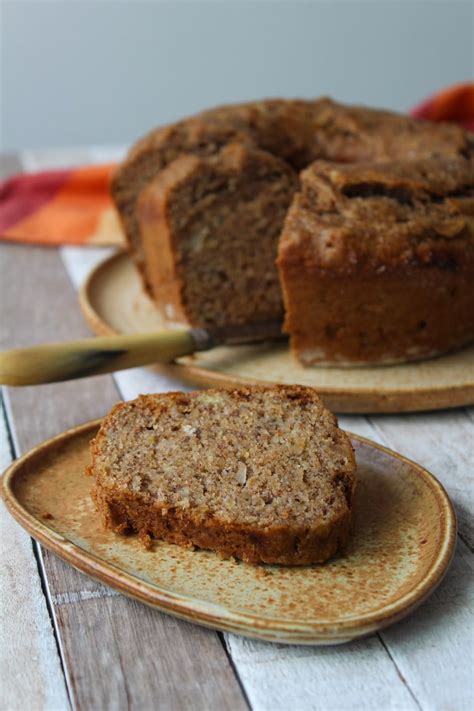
70,642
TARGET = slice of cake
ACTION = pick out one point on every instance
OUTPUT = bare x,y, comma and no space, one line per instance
377,261
209,228
260,473
150,155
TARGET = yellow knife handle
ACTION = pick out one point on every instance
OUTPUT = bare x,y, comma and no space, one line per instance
93,356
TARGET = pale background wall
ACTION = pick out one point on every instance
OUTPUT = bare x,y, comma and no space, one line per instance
82,72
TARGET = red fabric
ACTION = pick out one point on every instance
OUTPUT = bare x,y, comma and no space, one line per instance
453,104
23,195
60,207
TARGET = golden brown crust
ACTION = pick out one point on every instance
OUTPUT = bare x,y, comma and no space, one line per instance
124,513
349,218
377,261
128,500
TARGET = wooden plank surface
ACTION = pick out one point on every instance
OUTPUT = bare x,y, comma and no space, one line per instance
116,652
27,633
433,648
146,660
356,676
428,646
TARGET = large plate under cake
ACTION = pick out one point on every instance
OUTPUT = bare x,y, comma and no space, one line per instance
113,301
402,541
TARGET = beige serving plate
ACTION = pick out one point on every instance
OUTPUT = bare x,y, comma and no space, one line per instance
113,301
402,543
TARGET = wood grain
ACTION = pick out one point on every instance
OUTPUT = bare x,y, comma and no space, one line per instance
27,632
25,625
433,650
117,653
359,676
427,648
145,660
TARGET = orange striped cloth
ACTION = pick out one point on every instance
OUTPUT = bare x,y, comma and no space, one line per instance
73,206
57,207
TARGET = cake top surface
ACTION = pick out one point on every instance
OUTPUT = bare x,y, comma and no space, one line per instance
359,133
422,178
232,163
265,457
301,131
353,216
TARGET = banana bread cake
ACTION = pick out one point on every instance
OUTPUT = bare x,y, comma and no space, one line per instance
209,228
262,474
166,163
377,261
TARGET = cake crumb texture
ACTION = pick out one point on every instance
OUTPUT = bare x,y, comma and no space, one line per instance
262,474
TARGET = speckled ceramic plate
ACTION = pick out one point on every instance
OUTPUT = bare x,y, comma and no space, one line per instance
402,543
113,301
